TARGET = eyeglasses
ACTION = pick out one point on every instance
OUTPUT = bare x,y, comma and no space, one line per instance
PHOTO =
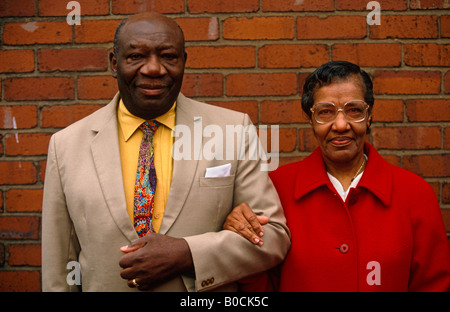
355,111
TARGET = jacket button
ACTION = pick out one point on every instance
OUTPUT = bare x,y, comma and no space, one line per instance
343,248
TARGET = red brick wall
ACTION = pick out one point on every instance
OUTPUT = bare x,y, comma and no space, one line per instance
248,55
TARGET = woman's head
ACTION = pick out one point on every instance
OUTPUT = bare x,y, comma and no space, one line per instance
338,99
333,72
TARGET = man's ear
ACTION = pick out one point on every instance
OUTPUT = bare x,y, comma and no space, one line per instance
113,62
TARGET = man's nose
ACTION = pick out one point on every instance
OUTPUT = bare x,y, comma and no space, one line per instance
153,67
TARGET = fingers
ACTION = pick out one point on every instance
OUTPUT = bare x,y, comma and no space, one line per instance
244,221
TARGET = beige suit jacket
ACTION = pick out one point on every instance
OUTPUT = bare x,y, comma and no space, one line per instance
85,218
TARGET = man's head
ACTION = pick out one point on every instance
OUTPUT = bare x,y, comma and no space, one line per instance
148,62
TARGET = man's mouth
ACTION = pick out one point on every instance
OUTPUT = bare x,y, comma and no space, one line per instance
152,89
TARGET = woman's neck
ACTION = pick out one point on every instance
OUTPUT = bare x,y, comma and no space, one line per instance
346,172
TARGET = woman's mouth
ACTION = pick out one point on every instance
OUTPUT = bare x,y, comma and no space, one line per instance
340,141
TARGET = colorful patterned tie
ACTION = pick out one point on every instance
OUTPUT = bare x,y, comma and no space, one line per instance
145,186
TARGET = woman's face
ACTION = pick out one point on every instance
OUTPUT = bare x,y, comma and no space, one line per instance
341,141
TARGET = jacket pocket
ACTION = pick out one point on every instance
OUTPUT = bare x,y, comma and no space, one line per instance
217,181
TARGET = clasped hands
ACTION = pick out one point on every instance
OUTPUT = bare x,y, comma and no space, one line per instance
155,258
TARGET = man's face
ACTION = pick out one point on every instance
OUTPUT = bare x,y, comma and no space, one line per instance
149,65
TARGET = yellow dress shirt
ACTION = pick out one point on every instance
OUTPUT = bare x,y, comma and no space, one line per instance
129,144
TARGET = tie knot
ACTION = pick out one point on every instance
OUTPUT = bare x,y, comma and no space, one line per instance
149,127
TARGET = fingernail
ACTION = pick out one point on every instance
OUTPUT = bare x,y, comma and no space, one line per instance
256,240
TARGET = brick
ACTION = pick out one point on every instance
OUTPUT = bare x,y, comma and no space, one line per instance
404,138
369,54
16,8
279,112
361,5
60,116
39,88
17,172
428,165
37,33
446,198
445,26
136,6
19,227
292,56
405,27
24,200
297,6
27,144
96,87
307,141
42,166
248,107
388,111
200,28
221,57
206,6
16,61
447,138
331,27
427,4
94,59
202,85
446,218
18,117
59,7
407,82
287,139
392,159
261,84
259,28
20,281
24,254
428,110
96,31
447,82
2,255
427,54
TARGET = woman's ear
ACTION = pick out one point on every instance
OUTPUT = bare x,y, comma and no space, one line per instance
369,123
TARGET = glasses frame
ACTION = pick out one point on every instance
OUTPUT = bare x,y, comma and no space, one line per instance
312,109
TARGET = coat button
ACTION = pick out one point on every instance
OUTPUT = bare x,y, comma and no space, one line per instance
343,248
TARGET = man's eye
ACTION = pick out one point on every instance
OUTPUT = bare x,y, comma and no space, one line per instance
169,56
134,56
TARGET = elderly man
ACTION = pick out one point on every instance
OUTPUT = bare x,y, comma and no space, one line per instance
130,214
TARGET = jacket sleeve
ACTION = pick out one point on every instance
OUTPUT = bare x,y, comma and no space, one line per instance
224,257
430,267
59,242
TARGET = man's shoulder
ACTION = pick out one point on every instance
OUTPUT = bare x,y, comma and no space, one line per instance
93,121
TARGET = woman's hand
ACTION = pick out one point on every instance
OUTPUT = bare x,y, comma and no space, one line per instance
244,221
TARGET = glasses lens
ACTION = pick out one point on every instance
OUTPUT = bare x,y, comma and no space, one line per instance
325,112
355,111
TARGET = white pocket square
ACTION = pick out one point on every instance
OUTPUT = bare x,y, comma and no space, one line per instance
219,171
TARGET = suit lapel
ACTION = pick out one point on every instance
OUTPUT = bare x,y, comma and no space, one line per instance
106,155
184,169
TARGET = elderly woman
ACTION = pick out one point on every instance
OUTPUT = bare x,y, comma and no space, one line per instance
357,222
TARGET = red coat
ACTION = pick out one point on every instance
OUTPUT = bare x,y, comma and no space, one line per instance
387,236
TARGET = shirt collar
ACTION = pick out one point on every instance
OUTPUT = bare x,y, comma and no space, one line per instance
129,123
377,177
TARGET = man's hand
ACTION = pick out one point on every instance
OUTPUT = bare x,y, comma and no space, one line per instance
154,259
246,223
